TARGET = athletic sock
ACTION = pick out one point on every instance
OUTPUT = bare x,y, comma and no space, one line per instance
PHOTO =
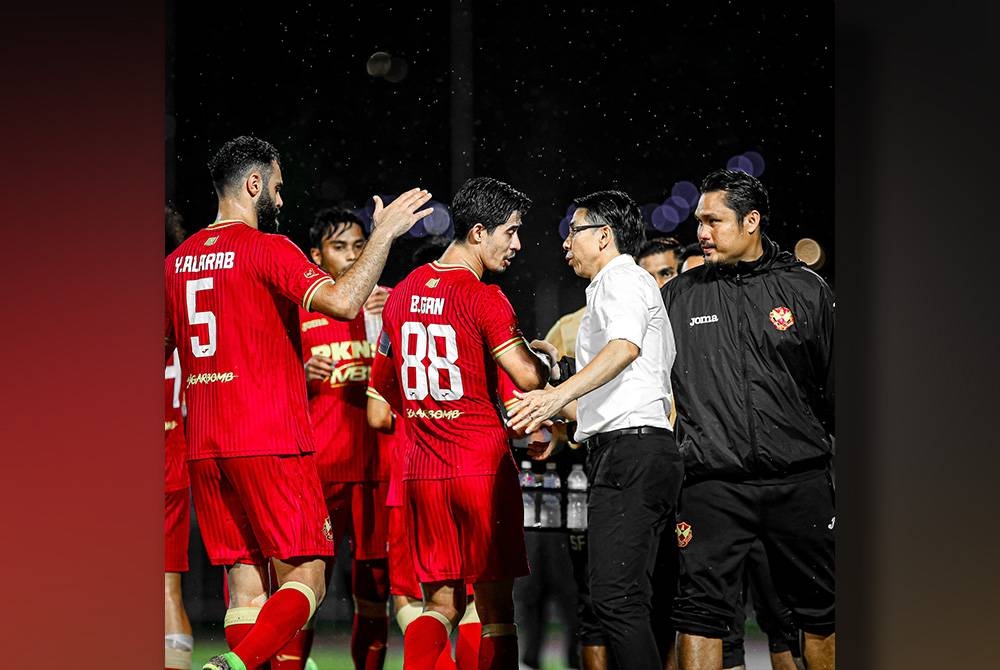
424,641
369,637
238,622
279,619
293,656
470,637
445,661
498,647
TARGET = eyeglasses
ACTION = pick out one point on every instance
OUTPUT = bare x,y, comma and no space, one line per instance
573,230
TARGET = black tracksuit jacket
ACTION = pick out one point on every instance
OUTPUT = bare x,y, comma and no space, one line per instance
753,377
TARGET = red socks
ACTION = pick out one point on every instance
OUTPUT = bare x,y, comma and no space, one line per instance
467,648
424,641
369,638
498,652
279,619
293,655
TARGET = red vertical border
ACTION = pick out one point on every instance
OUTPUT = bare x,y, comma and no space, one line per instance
82,492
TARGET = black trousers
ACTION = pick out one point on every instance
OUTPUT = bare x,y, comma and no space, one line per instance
635,483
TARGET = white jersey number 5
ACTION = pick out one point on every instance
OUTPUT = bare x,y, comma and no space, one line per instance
195,317
422,353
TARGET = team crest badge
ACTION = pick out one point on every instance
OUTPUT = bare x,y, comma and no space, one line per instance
432,283
328,530
684,534
310,273
212,240
781,317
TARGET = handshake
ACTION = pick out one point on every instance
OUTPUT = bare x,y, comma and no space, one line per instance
560,369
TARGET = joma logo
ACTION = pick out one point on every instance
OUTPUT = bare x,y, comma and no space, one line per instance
695,320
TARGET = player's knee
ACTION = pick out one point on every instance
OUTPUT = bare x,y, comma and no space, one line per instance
369,609
407,614
371,581
471,614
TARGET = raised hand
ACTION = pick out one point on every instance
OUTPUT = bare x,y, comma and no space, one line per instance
400,215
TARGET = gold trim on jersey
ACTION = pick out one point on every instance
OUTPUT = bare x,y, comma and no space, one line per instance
223,224
501,349
374,395
445,267
311,292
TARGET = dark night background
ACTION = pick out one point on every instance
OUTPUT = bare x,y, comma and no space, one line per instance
82,498
560,100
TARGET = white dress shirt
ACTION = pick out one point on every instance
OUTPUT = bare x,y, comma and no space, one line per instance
624,303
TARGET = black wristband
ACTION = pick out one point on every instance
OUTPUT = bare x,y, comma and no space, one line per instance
567,368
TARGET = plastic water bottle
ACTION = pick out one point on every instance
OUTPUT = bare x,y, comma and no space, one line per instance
527,481
551,508
576,499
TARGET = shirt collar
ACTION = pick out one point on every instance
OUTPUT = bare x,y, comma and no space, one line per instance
620,259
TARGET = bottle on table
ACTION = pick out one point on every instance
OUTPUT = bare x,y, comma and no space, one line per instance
527,480
551,513
576,499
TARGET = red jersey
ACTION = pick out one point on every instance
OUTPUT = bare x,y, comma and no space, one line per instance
231,310
347,449
399,441
173,426
443,329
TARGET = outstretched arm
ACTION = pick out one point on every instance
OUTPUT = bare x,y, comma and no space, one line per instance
344,298
537,406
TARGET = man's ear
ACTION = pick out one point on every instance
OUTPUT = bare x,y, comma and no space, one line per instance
315,254
751,222
476,233
607,237
254,183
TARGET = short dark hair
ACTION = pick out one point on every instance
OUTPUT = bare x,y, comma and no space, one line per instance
659,245
619,211
237,157
487,201
693,249
744,193
329,221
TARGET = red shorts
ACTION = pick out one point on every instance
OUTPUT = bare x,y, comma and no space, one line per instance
402,577
357,510
467,528
177,530
252,508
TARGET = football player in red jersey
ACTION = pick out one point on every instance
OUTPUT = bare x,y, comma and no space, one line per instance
446,331
178,642
352,458
231,295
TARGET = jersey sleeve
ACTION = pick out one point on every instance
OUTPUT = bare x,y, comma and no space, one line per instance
287,269
383,383
620,309
497,322
505,389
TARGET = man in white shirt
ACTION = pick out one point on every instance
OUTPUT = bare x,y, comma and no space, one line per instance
620,397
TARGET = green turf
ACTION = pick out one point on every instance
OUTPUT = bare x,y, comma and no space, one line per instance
331,651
